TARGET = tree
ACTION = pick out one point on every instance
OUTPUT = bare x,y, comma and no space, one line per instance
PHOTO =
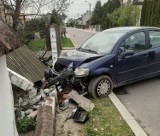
55,18
150,13
126,16
108,8
96,19
34,6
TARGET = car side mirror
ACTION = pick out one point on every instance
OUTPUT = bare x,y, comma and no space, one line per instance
127,53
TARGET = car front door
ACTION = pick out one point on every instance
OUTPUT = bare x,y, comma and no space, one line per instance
132,66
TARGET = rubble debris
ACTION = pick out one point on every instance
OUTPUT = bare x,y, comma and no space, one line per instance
43,94
71,115
20,101
19,80
54,94
28,111
18,112
81,116
35,99
64,105
33,114
32,92
82,101
23,102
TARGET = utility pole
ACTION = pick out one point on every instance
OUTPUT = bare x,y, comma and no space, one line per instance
90,14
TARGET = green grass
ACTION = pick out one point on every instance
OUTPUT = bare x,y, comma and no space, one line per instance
37,45
105,120
66,42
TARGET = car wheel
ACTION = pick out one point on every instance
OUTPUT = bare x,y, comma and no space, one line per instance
100,86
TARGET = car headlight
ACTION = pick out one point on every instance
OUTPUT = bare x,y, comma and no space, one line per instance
81,72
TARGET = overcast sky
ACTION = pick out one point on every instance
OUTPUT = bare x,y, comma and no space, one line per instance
80,6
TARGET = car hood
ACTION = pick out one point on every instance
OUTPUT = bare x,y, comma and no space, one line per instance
76,58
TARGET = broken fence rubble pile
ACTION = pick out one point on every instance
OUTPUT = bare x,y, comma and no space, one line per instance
37,98
53,93
33,101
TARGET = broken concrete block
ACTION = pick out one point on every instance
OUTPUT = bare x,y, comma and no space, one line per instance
47,91
36,107
28,111
43,94
20,101
82,101
32,92
19,80
33,114
35,99
52,103
54,94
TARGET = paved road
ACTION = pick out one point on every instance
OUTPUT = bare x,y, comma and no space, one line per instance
79,36
143,98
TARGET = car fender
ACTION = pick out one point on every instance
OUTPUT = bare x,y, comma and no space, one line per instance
101,71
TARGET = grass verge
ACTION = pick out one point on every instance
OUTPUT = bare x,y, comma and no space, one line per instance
105,120
37,45
66,42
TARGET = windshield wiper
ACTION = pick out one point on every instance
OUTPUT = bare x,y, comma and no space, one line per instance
87,50
92,51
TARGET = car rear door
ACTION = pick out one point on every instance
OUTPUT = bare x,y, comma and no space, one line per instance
134,66
154,52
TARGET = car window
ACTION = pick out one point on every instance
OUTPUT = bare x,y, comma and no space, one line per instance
154,38
135,42
103,42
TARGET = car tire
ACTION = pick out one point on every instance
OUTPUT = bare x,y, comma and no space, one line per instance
100,86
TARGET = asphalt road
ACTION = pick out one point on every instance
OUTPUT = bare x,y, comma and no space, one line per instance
142,99
79,36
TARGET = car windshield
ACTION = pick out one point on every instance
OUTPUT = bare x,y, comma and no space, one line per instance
102,43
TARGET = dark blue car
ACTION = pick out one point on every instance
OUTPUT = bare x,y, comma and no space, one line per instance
113,58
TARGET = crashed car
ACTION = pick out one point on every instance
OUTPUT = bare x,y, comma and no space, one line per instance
112,58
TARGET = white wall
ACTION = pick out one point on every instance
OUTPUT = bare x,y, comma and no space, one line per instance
7,120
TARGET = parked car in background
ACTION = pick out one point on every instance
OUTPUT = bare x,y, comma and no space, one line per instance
112,58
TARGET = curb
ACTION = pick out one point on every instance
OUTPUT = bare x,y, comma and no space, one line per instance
133,124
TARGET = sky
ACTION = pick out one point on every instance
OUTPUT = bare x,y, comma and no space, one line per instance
80,6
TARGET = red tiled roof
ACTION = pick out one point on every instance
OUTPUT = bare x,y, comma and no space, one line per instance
8,40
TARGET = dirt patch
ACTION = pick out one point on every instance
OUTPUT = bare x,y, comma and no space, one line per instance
68,127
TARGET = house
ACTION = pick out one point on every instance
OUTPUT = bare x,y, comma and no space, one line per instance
78,21
86,17
8,43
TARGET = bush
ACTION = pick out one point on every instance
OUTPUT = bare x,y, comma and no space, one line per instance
25,124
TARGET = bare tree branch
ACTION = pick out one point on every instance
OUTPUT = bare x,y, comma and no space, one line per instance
15,7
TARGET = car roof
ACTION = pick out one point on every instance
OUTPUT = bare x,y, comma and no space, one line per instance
129,29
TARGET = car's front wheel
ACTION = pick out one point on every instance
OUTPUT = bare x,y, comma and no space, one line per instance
100,86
